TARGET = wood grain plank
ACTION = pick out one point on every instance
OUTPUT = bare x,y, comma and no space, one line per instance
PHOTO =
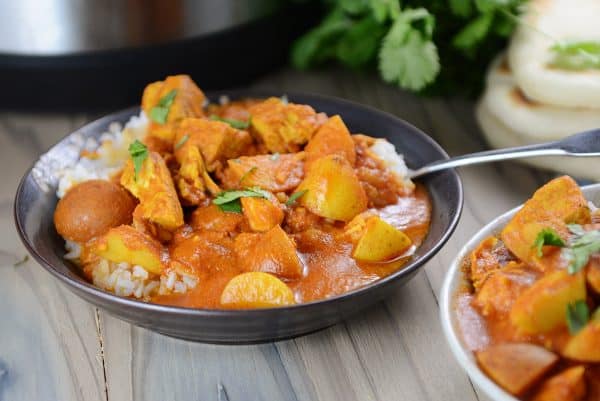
48,343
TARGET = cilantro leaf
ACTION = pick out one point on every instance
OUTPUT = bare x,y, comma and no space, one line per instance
578,314
237,124
547,237
581,248
138,152
229,201
181,142
360,43
408,56
582,55
474,33
319,44
354,6
160,112
294,197
461,8
384,9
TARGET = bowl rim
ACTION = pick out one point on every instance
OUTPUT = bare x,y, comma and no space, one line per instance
453,278
96,292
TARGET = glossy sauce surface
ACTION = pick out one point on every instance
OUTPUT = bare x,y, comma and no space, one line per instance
329,268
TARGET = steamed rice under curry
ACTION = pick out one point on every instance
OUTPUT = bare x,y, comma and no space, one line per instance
242,204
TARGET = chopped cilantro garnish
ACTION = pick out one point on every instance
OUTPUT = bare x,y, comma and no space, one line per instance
160,112
237,124
229,201
182,141
578,314
138,152
294,197
547,237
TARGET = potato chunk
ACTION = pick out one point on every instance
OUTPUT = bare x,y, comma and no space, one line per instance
154,187
256,290
126,244
271,252
380,241
262,214
542,306
554,205
89,209
568,385
283,127
331,138
332,189
188,102
217,141
585,345
275,173
516,367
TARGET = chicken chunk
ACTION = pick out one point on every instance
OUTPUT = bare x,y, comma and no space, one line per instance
154,188
186,100
284,127
217,141
275,173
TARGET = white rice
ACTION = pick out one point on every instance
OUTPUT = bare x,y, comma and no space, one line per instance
112,152
393,160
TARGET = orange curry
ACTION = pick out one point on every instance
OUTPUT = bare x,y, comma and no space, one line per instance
245,204
531,310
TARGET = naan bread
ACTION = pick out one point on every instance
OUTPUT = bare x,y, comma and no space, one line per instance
498,135
536,121
530,56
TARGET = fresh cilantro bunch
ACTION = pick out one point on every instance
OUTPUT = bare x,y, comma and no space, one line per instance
419,45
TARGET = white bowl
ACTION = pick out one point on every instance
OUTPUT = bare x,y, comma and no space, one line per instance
452,283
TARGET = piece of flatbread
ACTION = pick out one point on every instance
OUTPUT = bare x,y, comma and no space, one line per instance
536,122
529,54
498,135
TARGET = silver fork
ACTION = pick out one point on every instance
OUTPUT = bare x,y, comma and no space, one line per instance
584,144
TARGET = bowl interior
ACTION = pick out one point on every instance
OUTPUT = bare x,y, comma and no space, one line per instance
35,200
455,279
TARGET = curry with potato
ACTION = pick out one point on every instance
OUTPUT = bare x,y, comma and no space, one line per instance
250,203
531,308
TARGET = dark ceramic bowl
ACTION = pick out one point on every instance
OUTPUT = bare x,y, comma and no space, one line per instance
35,202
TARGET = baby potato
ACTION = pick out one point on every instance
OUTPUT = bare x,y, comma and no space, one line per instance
91,208
380,241
256,290
542,306
333,189
126,244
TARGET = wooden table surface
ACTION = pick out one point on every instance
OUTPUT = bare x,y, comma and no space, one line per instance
54,346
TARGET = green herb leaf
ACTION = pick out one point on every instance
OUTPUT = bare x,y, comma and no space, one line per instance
408,56
229,201
237,124
360,43
547,237
576,55
182,141
250,171
581,248
474,33
235,206
578,315
160,112
294,197
354,6
461,8
384,9
320,44
138,152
